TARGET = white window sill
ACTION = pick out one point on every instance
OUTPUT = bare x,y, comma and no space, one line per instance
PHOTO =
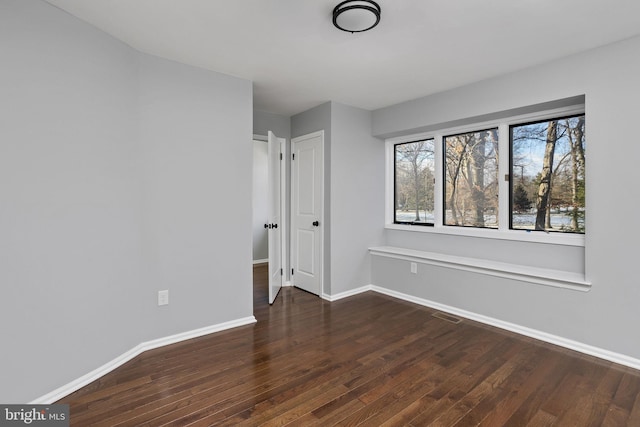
536,275
554,238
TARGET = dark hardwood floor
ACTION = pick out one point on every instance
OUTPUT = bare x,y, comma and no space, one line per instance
365,360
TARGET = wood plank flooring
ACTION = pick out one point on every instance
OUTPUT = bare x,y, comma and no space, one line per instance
367,360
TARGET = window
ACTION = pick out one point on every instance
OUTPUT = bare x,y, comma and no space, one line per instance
414,182
547,175
471,179
455,181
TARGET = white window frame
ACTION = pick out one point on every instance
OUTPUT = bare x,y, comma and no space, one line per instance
503,232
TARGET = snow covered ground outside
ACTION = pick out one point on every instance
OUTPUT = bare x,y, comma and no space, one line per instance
520,221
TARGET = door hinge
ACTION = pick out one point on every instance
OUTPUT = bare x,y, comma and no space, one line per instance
294,156
280,156
281,272
292,271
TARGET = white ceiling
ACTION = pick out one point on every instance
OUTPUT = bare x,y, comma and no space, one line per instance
297,59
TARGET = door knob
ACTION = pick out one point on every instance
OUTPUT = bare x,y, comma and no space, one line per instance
266,226
274,225
315,223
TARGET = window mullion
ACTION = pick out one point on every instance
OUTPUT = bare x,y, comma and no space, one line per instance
438,196
504,152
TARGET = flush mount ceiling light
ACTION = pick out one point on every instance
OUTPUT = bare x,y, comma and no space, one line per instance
356,16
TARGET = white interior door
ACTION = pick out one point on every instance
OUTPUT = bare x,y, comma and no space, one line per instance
307,221
274,225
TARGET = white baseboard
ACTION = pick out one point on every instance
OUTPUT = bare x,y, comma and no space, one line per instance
345,294
77,384
601,353
518,329
260,261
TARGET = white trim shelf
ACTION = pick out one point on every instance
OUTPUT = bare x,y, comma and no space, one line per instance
523,273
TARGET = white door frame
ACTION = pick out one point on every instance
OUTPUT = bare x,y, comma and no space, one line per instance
284,226
322,211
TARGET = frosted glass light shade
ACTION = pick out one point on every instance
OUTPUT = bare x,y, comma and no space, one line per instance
356,16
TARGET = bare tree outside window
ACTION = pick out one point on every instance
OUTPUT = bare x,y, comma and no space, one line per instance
548,175
414,182
471,179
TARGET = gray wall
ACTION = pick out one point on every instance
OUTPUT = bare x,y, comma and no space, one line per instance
264,122
112,165
195,132
605,317
354,203
357,202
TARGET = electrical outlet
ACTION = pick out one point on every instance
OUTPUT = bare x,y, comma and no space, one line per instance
163,297
414,268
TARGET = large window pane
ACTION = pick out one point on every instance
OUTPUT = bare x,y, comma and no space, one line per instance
547,175
414,182
471,179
